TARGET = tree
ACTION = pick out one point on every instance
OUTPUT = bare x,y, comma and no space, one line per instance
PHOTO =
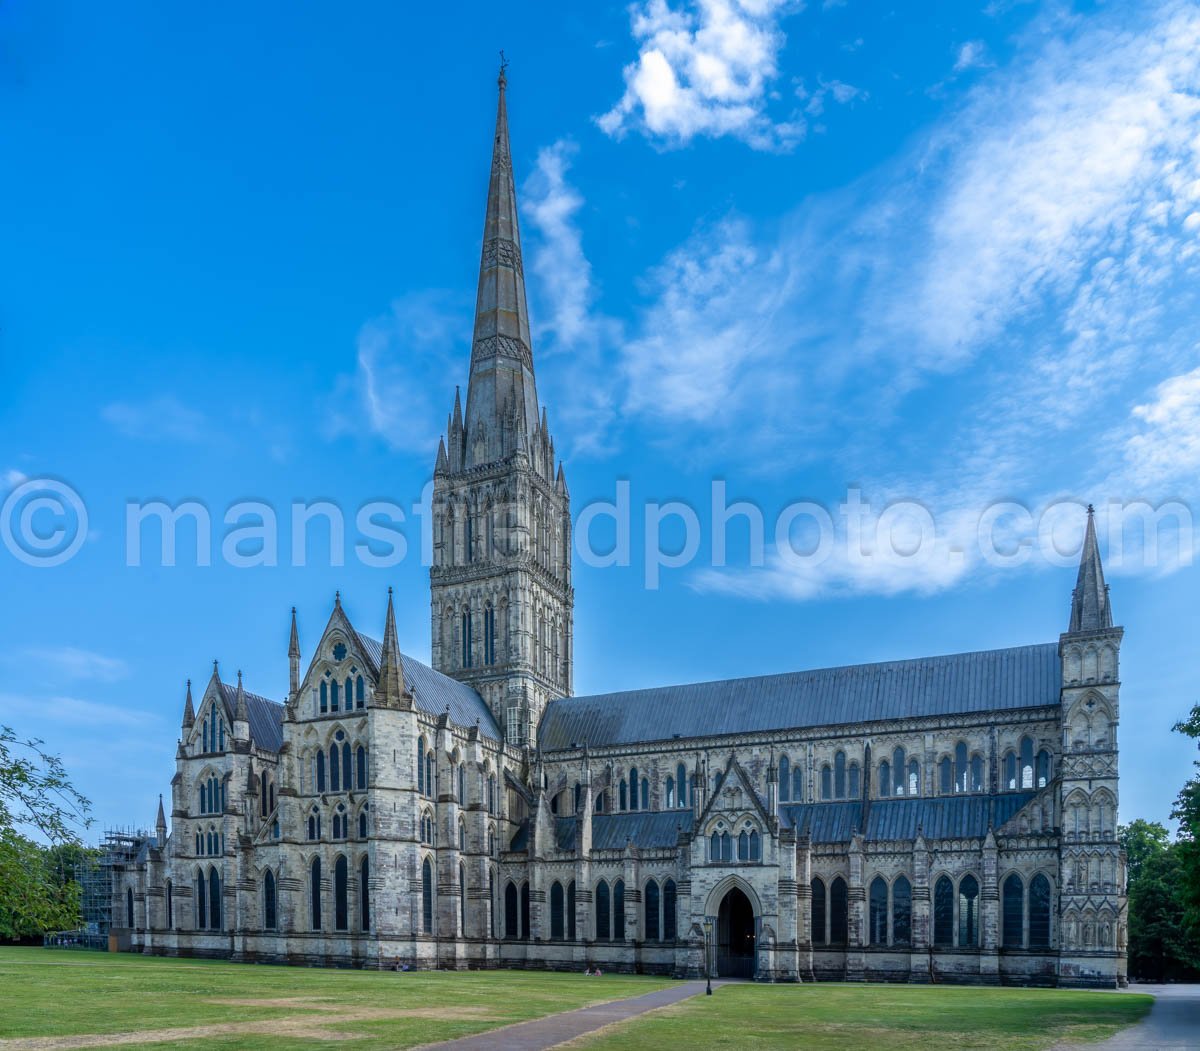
1161,946
37,893
1187,813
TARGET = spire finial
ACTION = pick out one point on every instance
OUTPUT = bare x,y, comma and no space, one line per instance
502,79
1090,609
337,599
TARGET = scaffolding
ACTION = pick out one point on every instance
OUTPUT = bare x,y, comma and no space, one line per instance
119,849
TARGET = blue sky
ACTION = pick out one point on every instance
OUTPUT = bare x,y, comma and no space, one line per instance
945,259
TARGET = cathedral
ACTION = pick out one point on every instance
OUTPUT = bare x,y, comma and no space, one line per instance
941,819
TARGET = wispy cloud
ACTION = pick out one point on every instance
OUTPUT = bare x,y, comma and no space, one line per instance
971,55
69,662
403,358
1165,450
11,478
705,69
573,338
157,419
56,711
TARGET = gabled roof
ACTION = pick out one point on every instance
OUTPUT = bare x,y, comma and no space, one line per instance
646,829
266,717
961,683
433,692
941,817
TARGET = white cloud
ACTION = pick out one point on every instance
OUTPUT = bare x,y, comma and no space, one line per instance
11,478
68,662
1166,449
704,69
56,711
572,338
971,55
156,419
405,359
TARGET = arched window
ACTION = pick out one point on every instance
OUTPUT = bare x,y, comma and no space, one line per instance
914,778
623,795
430,780
818,912
968,912
426,897
1026,762
1010,771
1014,912
855,791
201,902
619,911
571,910
652,906
511,922
128,906
1043,769
489,635
714,847
347,769
901,911
362,823
204,736
491,793
462,836
670,924
1039,912
898,771
462,784
838,912
556,912
170,907
525,911
360,692
421,765
744,846
960,767
670,791
214,899
268,893
362,768
797,784
839,774
681,779
364,894
633,788
785,780
321,771
885,779
341,915
945,777
324,697
314,894
462,898
603,921
826,782
878,916
976,773
943,912
334,695
466,638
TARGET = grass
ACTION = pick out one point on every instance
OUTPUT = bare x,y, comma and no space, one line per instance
895,1017
194,1003
49,993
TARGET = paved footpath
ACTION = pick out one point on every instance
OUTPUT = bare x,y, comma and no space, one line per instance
542,1033
1173,1023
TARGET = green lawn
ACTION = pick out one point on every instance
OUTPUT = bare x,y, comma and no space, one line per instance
194,1003
62,993
879,1017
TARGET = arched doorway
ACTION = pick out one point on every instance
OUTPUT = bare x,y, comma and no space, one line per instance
735,936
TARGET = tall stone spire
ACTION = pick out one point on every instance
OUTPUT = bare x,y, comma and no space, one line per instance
1090,610
294,660
391,674
502,406
189,713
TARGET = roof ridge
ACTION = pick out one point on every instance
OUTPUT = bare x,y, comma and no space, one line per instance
807,671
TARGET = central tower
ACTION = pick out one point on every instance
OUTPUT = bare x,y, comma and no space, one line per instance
500,583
